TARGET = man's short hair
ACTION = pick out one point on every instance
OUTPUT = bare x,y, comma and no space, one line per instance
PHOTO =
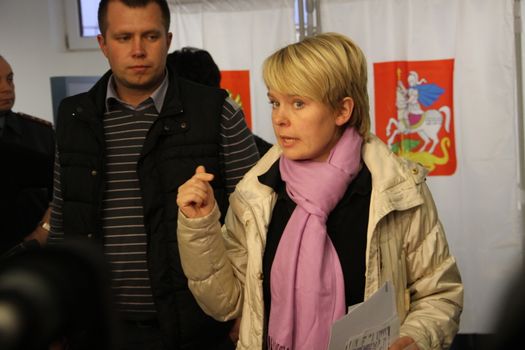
103,11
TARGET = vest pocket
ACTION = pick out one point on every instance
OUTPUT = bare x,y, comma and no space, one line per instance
79,176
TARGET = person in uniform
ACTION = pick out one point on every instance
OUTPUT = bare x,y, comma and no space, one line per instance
27,149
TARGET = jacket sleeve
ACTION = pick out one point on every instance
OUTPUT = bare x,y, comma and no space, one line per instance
213,278
433,281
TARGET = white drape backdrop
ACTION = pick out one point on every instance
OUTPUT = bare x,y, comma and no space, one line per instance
239,34
479,203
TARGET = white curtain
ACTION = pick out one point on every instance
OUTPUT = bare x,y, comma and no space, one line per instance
239,34
479,201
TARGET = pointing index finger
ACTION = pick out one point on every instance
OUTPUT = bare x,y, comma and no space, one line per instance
200,173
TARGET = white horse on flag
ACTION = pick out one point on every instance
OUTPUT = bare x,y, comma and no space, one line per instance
411,119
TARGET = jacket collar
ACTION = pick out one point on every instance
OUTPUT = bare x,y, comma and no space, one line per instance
173,104
157,96
250,188
96,96
271,178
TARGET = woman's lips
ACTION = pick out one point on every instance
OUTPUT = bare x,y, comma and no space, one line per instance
287,141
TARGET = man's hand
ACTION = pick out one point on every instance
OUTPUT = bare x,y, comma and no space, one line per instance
195,198
404,343
39,233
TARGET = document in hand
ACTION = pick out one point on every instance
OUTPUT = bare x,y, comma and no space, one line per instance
370,325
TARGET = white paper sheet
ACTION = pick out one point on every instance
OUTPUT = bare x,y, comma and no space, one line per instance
370,325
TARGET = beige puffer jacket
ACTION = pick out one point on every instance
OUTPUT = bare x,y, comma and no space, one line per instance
406,244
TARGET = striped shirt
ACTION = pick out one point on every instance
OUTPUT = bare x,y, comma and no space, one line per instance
125,240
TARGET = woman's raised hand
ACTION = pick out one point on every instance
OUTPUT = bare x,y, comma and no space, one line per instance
195,197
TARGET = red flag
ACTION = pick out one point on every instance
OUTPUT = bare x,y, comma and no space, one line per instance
415,112
237,83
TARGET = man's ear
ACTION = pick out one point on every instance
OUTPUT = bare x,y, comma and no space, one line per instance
344,113
169,37
102,44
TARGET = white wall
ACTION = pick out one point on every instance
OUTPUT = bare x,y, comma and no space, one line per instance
32,39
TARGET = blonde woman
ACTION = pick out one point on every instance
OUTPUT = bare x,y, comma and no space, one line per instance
324,218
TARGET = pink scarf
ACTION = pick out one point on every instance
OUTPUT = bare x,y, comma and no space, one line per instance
307,286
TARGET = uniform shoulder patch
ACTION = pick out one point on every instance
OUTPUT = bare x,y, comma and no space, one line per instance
34,119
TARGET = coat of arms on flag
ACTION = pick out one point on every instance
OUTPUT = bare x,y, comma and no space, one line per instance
414,111
237,83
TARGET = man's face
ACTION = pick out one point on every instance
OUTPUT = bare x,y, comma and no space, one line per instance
7,86
136,45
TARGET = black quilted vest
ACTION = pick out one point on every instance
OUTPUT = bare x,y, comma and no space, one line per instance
185,134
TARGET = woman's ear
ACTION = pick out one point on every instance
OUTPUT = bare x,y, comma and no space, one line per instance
345,111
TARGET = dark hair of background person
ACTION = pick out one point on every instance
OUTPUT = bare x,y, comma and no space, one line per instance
103,11
198,66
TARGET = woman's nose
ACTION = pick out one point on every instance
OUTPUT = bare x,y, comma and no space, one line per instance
279,117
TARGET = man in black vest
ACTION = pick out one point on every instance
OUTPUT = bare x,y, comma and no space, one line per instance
123,149
26,180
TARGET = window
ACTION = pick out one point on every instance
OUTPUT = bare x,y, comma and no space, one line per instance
81,24
88,18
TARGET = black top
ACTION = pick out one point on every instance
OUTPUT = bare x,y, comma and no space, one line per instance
346,225
262,145
26,180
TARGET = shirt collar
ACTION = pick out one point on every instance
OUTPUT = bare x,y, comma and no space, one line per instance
156,96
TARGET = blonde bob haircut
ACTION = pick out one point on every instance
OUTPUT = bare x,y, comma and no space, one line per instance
325,68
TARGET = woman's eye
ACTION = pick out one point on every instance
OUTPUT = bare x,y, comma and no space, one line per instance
298,104
274,104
